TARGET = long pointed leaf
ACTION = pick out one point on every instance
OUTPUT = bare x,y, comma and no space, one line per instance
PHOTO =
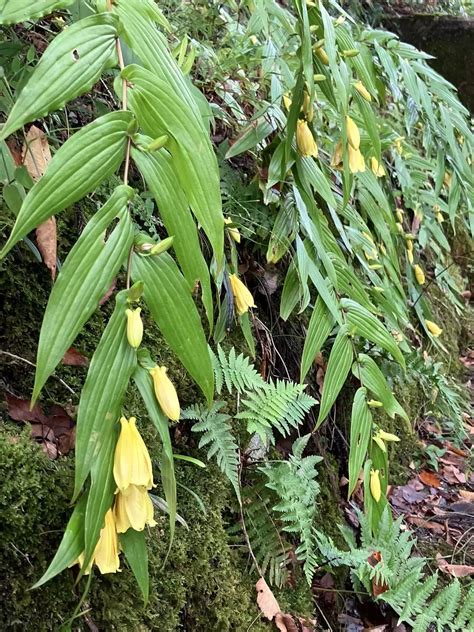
134,546
167,295
160,110
101,400
83,280
157,169
70,66
82,163
15,11
319,328
361,428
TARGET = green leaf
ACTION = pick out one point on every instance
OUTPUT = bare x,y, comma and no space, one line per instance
70,66
250,137
319,328
172,307
361,429
365,324
339,363
370,122
134,547
292,291
101,400
101,495
144,383
82,163
15,11
157,169
374,380
84,279
72,544
160,110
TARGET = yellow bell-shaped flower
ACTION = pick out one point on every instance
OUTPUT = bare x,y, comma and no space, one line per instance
165,393
242,296
377,169
375,487
134,327
380,437
133,509
353,134
362,90
132,464
106,554
233,232
356,160
419,274
305,141
410,255
433,328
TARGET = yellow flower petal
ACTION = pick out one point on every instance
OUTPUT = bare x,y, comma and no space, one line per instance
233,232
106,552
419,274
134,327
243,297
305,141
133,509
165,393
375,487
377,168
353,134
356,160
132,464
336,160
362,90
433,328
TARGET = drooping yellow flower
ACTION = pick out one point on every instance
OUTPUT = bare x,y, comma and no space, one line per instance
305,141
447,178
132,464
380,437
398,145
362,90
323,57
133,509
433,328
439,217
410,245
134,327
419,274
410,255
233,232
375,487
80,561
165,393
106,554
377,168
356,160
399,214
243,297
287,101
336,160
353,134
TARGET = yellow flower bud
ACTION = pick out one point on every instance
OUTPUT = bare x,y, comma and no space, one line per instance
374,403
353,134
163,246
165,393
106,554
356,160
433,328
399,226
375,487
287,101
134,327
447,178
419,274
308,107
377,169
336,160
305,141
439,217
321,53
340,20
410,256
398,145
350,52
243,298
388,436
362,90
379,442
399,215
133,508
233,232
319,77
375,266
132,464
410,245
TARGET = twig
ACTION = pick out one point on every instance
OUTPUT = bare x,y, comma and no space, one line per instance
244,530
16,357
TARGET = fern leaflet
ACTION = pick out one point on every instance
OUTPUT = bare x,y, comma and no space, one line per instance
235,371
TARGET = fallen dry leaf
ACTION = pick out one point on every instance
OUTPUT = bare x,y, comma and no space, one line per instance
266,600
19,409
36,155
426,524
467,495
72,357
456,570
429,478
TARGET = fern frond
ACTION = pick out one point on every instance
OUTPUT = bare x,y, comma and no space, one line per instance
217,434
465,615
276,406
294,483
235,371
